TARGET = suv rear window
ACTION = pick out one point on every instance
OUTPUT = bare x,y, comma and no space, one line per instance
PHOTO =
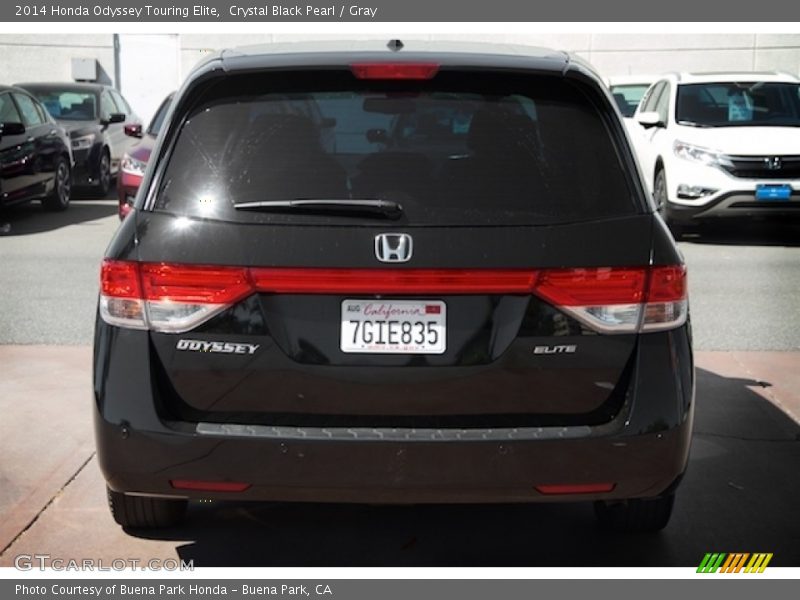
461,149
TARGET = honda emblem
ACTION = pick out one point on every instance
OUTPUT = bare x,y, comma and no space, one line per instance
393,247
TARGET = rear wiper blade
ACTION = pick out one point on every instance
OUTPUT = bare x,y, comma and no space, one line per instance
386,208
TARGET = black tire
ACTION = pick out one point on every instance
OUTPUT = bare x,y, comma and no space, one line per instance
640,515
660,192
103,175
662,203
145,512
62,187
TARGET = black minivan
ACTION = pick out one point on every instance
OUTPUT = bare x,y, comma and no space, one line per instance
393,274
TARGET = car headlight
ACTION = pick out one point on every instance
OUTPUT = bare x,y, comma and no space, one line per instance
712,158
83,142
132,166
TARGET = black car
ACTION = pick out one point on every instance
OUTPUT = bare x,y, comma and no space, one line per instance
94,115
35,156
476,305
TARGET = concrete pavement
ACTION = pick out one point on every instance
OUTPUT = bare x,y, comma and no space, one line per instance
45,429
744,285
740,493
50,268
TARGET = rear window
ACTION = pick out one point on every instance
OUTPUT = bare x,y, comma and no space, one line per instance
69,105
731,104
461,149
628,96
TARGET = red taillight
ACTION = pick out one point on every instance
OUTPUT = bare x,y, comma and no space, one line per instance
209,486
176,298
394,281
592,287
401,70
120,279
667,284
619,300
194,284
575,488
121,301
667,305
168,297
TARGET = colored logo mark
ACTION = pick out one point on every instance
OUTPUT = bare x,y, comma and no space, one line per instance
736,562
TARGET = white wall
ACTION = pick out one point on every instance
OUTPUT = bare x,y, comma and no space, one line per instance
635,54
48,57
148,70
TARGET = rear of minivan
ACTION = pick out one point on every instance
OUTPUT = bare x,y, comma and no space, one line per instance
404,277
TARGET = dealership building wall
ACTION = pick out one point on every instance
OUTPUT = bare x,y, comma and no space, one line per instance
145,67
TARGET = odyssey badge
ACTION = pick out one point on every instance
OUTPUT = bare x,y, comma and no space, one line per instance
216,347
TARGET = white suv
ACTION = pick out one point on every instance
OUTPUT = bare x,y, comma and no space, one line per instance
722,144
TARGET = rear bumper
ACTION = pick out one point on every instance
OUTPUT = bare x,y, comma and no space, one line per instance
86,171
391,472
642,451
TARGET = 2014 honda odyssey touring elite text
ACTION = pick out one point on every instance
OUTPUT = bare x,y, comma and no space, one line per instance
383,275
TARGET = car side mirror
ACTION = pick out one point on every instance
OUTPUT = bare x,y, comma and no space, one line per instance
133,130
113,118
650,119
11,129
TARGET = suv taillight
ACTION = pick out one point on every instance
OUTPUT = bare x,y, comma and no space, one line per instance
176,298
619,300
168,297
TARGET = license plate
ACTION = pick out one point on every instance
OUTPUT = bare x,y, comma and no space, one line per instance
393,326
767,191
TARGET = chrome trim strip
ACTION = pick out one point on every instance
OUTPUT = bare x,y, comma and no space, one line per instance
391,434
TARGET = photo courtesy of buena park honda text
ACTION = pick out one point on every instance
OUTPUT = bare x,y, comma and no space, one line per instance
399,299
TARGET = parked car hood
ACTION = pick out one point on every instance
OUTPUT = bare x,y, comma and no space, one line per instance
745,141
77,127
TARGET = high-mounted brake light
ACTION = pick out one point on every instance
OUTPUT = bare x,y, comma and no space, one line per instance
176,298
395,70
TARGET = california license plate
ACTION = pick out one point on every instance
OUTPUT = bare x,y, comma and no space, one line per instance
394,326
770,191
